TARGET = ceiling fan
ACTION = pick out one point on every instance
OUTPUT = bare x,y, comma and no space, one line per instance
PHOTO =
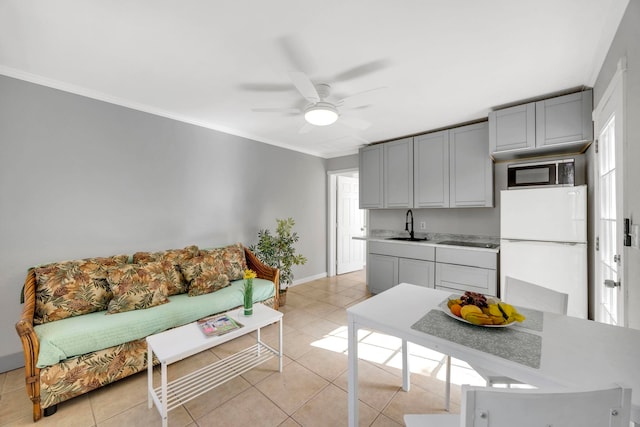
320,110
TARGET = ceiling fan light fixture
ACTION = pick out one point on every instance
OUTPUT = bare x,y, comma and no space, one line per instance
321,114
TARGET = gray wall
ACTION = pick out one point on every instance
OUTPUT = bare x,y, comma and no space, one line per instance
343,163
82,178
626,44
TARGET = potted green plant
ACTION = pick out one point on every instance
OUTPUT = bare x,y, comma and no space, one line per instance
278,251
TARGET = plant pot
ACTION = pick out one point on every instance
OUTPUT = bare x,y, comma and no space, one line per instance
282,298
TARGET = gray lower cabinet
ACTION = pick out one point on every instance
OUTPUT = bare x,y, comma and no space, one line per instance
452,269
460,270
391,263
382,272
460,278
416,272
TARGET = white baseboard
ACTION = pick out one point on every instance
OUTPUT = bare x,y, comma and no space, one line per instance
309,279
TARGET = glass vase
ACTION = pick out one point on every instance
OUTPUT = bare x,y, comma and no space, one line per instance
248,297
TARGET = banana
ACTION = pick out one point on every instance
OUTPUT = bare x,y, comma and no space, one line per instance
474,314
502,313
493,312
478,319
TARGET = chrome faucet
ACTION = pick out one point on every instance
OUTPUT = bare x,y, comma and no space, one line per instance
406,223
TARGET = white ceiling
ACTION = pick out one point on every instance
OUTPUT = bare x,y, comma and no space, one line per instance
210,62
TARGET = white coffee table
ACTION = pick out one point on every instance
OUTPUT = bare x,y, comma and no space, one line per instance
179,343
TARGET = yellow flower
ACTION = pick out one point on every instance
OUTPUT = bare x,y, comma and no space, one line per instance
250,274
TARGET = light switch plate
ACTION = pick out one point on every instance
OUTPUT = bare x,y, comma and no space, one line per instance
635,236
423,225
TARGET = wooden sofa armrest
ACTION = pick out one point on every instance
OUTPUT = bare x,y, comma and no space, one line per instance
30,343
264,271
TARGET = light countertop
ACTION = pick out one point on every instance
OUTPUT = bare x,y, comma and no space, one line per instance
433,239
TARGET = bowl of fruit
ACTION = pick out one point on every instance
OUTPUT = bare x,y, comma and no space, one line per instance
477,309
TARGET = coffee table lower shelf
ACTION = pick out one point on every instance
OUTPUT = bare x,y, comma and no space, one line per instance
179,343
209,377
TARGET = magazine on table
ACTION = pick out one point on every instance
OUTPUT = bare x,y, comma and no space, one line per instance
218,325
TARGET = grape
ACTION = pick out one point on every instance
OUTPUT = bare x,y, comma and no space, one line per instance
474,298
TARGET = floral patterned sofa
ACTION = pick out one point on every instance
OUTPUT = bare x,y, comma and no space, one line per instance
84,322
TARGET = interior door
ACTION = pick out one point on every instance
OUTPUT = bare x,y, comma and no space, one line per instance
350,223
610,288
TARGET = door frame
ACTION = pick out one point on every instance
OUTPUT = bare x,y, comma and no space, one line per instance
332,206
615,92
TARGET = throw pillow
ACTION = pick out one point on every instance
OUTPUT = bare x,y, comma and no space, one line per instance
204,285
138,286
205,273
72,288
233,259
177,257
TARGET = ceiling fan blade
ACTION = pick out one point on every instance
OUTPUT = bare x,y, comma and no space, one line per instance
276,110
265,87
355,123
360,97
296,54
359,107
304,85
306,128
362,70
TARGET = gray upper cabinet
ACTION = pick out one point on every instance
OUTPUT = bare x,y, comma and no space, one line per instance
450,168
371,174
453,169
513,128
398,174
552,126
565,119
471,168
431,170
386,175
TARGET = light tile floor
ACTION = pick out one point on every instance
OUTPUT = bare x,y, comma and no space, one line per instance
311,390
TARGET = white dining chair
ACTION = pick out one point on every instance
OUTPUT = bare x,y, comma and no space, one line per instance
524,294
499,407
528,295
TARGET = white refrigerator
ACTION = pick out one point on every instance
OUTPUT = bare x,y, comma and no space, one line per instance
543,240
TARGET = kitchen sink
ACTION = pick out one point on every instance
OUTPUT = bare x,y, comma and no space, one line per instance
409,239
470,244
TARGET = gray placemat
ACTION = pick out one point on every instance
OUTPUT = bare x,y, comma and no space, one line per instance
533,319
508,343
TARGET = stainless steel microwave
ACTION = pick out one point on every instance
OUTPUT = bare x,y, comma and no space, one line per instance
557,173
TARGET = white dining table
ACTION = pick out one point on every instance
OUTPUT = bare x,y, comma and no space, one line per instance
573,352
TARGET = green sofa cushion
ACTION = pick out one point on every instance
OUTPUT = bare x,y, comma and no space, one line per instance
84,334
